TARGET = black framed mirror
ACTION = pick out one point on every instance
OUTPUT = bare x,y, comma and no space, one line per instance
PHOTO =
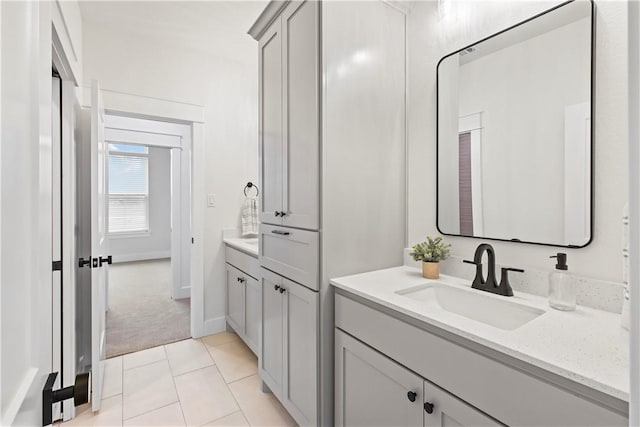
515,135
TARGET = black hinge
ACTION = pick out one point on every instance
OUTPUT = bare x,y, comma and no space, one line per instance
56,266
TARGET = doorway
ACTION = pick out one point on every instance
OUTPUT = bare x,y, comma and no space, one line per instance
148,292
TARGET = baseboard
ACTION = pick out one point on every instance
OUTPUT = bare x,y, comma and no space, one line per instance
214,326
182,293
141,256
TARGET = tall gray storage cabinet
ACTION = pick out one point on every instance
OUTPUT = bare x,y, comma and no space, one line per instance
332,111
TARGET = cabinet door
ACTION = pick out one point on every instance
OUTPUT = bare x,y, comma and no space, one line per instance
373,390
301,51
301,333
272,331
253,313
443,409
270,124
235,298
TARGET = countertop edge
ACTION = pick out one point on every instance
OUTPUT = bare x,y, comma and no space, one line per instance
595,391
241,247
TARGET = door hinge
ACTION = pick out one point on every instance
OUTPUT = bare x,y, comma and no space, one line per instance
79,391
56,265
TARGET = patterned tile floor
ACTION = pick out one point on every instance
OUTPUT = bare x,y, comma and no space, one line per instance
211,381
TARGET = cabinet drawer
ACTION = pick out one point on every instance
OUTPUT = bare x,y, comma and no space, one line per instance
242,261
290,252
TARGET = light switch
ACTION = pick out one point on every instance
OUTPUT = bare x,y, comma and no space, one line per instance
211,200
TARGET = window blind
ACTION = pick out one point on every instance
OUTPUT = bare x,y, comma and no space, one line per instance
128,190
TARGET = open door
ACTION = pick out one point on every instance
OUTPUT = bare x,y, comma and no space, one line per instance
99,245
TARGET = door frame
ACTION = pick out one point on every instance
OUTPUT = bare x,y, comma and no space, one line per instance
634,207
192,116
175,137
69,103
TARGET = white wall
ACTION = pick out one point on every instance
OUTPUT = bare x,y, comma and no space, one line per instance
228,89
432,35
156,244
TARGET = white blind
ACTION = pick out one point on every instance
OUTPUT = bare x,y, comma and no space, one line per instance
128,213
128,191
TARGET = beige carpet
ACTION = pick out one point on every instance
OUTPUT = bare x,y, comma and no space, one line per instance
141,312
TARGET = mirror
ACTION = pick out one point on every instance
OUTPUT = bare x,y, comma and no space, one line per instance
515,135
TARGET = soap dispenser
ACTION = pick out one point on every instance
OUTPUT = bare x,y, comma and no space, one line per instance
562,289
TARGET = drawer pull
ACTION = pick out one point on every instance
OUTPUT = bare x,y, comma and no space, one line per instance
277,213
280,232
282,290
241,279
412,396
276,287
428,407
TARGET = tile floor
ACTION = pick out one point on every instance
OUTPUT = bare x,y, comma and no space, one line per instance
211,381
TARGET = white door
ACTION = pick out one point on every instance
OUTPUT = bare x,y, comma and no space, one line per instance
56,234
99,249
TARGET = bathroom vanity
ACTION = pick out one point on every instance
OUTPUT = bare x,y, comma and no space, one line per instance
412,351
244,294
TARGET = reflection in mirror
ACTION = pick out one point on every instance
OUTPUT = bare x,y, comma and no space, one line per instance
514,132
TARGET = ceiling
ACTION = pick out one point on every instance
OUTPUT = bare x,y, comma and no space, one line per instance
218,27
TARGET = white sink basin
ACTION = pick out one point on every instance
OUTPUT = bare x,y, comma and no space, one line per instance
475,305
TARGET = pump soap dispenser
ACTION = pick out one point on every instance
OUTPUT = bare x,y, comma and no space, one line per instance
562,288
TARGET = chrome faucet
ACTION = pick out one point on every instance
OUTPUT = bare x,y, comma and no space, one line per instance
490,284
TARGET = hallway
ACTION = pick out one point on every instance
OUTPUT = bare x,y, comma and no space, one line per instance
141,312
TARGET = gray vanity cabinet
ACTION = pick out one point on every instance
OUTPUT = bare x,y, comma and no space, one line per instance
235,297
243,296
289,361
289,137
271,138
447,410
373,390
271,352
252,314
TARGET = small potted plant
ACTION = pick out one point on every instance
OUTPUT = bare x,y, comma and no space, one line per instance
430,252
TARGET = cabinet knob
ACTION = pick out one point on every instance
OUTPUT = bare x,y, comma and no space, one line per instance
241,279
412,396
428,407
282,213
276,287
277,213
282,290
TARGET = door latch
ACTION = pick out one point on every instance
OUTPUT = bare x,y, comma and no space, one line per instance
79,391
108,260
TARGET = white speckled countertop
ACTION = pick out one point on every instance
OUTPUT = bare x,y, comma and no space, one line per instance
249,246
587,346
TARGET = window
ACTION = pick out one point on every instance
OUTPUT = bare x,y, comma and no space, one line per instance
128,188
